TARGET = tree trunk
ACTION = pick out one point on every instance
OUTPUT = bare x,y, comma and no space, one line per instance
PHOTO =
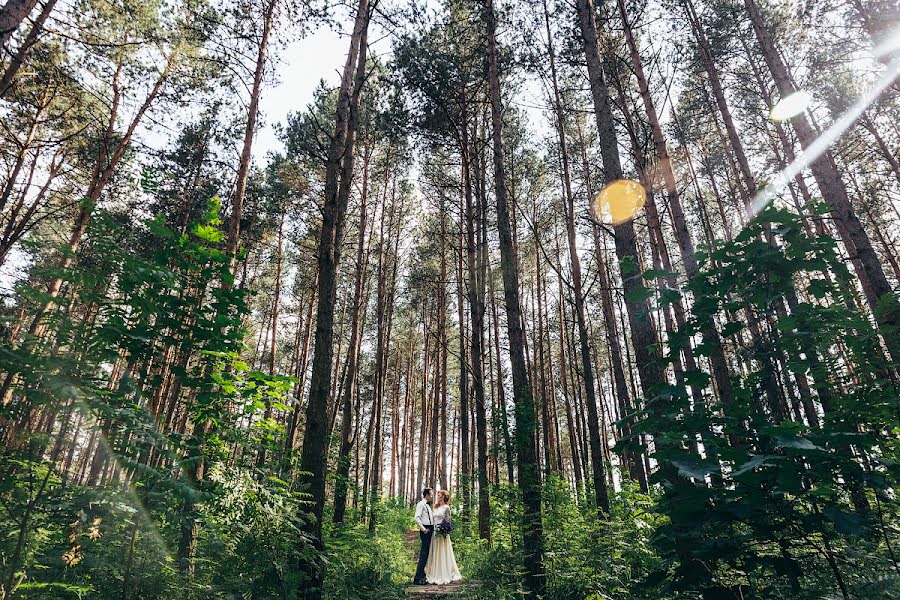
475,294
643,333
601,495
349,389
501,388
12,15
633,463
290,442
261,457
240,187
564,384
103,170
710,336
529,472
338,173
380,364
420,474
886,153
539,367
715,82
18,59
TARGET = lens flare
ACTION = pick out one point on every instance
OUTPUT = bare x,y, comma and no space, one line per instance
619,202
790,106
822,143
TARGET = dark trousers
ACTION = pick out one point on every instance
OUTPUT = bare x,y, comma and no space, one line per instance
424,548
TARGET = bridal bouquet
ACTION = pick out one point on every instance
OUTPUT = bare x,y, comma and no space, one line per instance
444,527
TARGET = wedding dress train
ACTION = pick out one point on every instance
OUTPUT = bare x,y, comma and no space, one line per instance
441,567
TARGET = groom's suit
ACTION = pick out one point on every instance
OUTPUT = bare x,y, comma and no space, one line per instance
424,518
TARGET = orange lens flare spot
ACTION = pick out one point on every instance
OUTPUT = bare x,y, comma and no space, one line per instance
619,201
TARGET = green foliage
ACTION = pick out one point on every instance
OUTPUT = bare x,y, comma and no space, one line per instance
61,540
253,536
362,565
585,557
789,496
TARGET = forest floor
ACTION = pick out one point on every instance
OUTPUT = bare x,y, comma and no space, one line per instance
429,592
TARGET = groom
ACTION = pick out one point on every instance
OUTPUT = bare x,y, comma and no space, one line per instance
425,520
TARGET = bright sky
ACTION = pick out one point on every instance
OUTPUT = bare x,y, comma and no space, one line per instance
300,67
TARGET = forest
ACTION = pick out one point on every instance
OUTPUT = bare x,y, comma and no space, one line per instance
620,275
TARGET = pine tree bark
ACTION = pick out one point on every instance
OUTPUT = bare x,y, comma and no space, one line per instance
240,187
440,378
634,463
290,440
571,424
529,472
475,293
112,151
18,59
601,494
349,390
382,312
715,81
338,173
12,15
501,387
883,148
465,424
420,473
711,338
644,338
276,301
539,365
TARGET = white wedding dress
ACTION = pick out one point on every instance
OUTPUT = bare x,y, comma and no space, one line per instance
441,567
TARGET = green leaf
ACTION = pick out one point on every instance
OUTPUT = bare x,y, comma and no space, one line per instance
627,265
696,468
797,443
208,233
757,461
669,296
787,323
818,288
651,274
697,379
731,328
822,492
845,522
638,295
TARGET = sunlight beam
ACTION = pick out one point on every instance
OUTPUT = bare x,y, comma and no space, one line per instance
821,144
889,45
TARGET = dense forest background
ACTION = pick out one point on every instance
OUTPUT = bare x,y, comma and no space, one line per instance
620,274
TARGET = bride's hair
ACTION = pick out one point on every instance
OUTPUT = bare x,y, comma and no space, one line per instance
444,495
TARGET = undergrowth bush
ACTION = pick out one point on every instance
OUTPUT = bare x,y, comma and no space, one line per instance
365,566
585,557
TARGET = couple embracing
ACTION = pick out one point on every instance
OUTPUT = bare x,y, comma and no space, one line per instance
437,565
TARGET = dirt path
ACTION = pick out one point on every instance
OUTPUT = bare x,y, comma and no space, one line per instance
429,592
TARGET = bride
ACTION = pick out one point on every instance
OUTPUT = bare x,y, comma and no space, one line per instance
441,567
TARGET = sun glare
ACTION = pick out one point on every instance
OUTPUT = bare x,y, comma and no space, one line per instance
619,201
790,106
890,45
